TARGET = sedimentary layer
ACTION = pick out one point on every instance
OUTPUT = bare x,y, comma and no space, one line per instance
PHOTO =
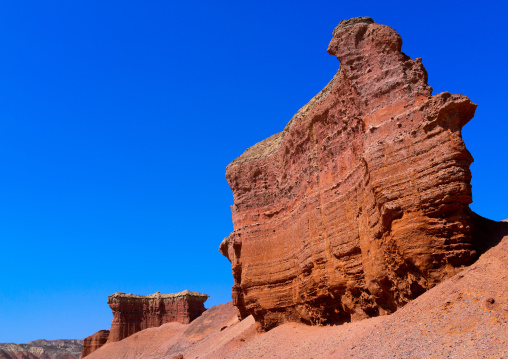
361,203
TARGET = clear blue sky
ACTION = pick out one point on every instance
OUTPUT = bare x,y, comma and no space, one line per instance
118,118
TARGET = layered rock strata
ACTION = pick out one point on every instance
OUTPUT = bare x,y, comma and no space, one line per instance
361,203
133,313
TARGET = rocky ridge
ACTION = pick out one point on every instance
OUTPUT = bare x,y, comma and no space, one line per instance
361,203
42,349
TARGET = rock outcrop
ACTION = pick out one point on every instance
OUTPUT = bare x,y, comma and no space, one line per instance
42,349
133,313
94,342
361,203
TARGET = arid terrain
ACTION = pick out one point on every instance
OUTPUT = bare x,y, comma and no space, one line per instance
465,316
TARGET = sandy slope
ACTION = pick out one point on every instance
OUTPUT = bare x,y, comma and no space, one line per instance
463,317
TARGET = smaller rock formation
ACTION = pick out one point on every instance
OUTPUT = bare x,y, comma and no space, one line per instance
94,342
133,313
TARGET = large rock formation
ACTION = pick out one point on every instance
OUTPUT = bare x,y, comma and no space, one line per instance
361,203
42,349
133,313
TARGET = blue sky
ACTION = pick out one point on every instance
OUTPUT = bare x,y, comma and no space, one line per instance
118,118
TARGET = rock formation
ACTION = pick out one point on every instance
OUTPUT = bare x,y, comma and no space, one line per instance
362,202
133,313
94,342
42,349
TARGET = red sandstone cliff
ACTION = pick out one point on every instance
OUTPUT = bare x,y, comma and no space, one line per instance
133,313
361,203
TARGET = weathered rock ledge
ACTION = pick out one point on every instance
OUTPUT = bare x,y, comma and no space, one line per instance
361,203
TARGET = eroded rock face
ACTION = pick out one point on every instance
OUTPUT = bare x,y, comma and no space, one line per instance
94,342
361,203
132,313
